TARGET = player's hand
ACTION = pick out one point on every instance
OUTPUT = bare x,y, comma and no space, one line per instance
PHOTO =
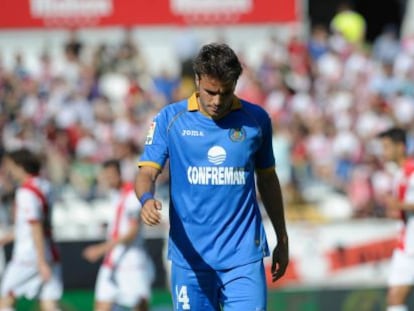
93,253
6,239
45,270
280,259
151,212
392,203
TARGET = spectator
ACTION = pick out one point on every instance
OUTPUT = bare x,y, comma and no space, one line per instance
67,108
349,23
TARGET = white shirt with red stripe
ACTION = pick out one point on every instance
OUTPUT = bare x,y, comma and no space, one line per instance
404,190
32,204
125,213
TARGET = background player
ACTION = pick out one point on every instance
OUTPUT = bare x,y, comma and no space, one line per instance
401,277
34,270
216,145
126,273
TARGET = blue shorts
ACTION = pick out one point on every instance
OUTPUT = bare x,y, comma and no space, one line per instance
240,288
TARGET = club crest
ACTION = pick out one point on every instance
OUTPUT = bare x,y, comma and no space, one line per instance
237,134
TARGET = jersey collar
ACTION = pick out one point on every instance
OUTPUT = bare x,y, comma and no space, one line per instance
193,103
28,180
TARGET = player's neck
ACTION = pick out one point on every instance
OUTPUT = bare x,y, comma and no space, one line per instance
402,160
25,177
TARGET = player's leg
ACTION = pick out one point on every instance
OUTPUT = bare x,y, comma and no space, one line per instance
400,281
134,288
102,306
143,305
105,289
7,299
396,298
49,305
397,308
11,282
52,290
244,288
194,290
7,303
144,280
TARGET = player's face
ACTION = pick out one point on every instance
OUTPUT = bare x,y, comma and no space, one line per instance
389,150
11,169
215,97
112,177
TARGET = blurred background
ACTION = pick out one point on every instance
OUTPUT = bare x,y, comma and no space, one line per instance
80,81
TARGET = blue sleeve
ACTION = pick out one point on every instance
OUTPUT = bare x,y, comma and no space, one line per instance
264,155
156,143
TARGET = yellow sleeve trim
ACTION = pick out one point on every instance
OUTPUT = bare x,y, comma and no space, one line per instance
150,163
266,170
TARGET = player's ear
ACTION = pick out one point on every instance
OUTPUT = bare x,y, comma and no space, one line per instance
197,80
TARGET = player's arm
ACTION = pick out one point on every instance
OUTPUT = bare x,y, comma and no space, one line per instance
93,252
38,234
394,203
144,189
7,238
407,207
271,194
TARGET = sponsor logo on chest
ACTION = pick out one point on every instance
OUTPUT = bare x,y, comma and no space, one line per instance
192,133
216,174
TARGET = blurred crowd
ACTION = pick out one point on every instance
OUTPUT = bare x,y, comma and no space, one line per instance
328,98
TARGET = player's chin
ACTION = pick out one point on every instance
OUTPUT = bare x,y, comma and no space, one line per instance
215,114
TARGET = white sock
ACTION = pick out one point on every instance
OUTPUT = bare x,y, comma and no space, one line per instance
397,308
6,309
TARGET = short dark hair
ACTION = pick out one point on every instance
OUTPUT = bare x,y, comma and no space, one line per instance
219,61
395,134
26,159
113,163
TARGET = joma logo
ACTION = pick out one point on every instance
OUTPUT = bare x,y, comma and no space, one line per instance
192,133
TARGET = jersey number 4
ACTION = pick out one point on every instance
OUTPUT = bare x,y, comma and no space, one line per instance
182,297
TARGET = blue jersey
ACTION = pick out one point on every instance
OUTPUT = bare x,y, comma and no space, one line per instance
215,221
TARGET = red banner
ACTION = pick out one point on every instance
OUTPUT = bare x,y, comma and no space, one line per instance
84,13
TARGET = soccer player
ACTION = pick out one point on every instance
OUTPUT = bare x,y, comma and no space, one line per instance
216,144
126,273
401,274
34,271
